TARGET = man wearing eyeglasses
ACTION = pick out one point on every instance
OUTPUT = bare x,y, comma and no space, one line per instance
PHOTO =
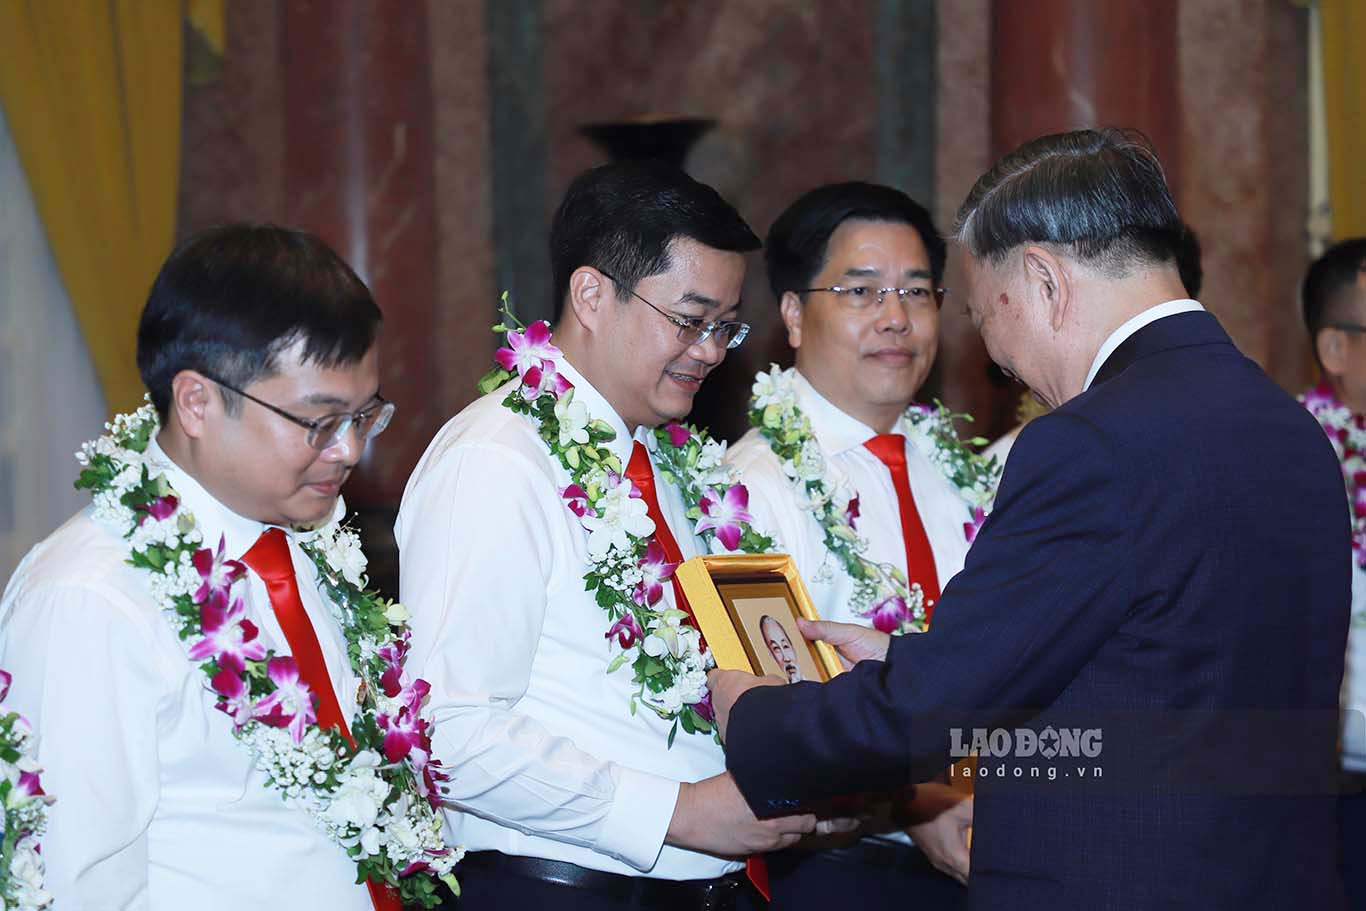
1334,299
568,794
856,268
257,347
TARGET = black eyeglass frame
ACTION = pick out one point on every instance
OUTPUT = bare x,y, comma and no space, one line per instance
314,426
688,324
1347,327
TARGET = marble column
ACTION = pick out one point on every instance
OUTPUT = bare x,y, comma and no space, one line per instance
1067,64
358,171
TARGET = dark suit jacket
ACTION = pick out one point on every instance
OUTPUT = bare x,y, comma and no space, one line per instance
1168,561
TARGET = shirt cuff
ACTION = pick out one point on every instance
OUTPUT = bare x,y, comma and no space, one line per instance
642,808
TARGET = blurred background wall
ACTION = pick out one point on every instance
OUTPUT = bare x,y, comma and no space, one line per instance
429,142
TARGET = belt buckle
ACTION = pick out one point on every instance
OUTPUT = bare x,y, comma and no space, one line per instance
720,895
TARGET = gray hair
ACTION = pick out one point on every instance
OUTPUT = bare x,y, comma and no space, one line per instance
1100,195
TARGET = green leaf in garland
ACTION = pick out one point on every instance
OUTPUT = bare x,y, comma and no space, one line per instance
494,379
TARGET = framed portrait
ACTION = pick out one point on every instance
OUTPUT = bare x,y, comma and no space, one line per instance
747,607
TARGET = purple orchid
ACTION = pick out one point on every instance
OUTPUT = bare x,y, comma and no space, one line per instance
725,514
234,698
29,785
971,528
229,638
851,513
627,631
1321,396
655,570
393,655
889,613
218,574
527,349
158,509
614,480
576,498
544,377
406,738
403,734
430,780
5,679
678,434
291,705
704,707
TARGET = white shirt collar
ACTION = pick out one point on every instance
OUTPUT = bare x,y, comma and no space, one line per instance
214,519
835,430
1120,335
600,408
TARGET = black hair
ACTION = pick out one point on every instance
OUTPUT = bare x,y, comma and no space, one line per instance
230,298
1328,276
797,243
621,218
1099,193
1188,263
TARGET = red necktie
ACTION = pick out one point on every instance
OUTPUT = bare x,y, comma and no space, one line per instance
890,449
641,474
269,557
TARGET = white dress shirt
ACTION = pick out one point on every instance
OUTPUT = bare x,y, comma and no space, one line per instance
1354,678
1120,335
547,759
773,502
158,806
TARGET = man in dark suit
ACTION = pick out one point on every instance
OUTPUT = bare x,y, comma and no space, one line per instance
1146,642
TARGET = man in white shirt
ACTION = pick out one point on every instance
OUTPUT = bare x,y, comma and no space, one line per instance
855,268
569,793
257,346
1334,299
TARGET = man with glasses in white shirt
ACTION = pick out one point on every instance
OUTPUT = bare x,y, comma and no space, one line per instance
568,793
855,269
257,347
1334,301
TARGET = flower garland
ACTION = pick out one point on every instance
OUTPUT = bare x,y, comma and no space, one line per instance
1347,432
627,566
881,591
23,805
376,798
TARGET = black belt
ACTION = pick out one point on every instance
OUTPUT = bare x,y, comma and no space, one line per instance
720,894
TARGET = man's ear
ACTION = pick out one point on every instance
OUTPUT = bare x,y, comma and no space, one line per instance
192,402
791,309
1331,347
590,293
1049,283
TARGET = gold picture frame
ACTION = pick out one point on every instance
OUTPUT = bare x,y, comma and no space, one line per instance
746,605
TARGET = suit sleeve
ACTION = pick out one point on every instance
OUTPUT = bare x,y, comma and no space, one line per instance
1046,583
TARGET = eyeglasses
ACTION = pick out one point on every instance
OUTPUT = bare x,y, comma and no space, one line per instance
695,330
326,431
859,298
1347,327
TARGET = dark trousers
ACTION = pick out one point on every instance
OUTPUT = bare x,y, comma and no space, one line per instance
482,888
1352,847
869,874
